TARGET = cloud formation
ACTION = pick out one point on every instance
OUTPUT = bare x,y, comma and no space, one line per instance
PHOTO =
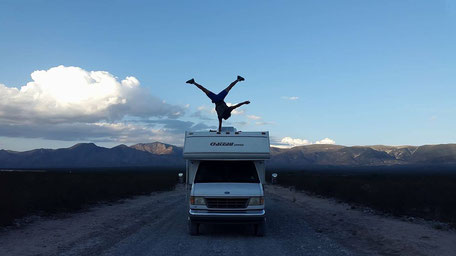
70,103
204,113
295,142
325,141
287,142
290,97
253,117
264,123
69,94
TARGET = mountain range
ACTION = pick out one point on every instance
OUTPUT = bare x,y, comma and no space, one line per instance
159,154
377,155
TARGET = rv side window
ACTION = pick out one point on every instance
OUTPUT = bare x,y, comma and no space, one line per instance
226,171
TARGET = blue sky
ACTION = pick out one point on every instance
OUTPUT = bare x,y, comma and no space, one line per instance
363,72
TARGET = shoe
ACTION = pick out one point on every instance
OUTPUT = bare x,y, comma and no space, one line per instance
240,78
247,102
191,81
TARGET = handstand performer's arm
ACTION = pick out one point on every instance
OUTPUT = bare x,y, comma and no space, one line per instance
220,124
231,109
240,104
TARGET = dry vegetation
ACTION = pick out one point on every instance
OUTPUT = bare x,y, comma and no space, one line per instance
30,192
428,194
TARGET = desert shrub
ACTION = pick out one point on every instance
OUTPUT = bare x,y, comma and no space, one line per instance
427,194
36,192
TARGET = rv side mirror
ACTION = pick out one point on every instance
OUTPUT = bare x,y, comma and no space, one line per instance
181,177
274,178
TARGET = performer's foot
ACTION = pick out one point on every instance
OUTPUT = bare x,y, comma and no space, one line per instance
240,78
246,102
191,81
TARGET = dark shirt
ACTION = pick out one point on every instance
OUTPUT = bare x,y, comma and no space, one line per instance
223,111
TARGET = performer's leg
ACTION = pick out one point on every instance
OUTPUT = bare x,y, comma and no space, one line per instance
239,78
209,94
206,91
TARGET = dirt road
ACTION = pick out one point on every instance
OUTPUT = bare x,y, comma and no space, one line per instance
156,225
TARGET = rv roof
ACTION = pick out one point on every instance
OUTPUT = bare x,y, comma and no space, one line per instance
216,134
226,145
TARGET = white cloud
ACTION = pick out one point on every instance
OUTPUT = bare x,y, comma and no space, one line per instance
207,109
204,113
68,94
264,123
253,117
295,142
288,142
290,97
238,112
202,108
241,124
165,130
325,141
70,103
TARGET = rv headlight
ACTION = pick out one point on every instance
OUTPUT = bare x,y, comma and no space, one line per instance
256,200
197,200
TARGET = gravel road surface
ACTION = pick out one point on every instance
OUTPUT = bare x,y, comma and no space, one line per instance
297,224
288,234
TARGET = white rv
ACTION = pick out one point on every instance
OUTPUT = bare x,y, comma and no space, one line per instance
225,173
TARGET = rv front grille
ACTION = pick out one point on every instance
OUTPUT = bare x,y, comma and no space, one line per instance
226,202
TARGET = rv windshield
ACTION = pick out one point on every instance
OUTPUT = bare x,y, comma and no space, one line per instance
226,171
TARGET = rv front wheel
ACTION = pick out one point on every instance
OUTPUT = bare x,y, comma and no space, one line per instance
193,228
260,229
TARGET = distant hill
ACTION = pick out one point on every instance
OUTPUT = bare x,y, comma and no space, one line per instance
90,155
158,154
158,148
444,153
363,155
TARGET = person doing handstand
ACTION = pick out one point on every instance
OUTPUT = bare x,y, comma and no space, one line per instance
223,111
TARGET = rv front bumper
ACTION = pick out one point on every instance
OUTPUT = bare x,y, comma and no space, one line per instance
256,216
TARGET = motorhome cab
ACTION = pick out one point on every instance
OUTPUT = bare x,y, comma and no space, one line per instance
225,173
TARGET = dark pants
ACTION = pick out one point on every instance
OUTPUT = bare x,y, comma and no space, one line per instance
217,97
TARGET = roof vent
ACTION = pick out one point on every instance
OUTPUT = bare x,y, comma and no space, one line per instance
228,129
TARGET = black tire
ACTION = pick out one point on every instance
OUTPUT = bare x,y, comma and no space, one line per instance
193,228
260,229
